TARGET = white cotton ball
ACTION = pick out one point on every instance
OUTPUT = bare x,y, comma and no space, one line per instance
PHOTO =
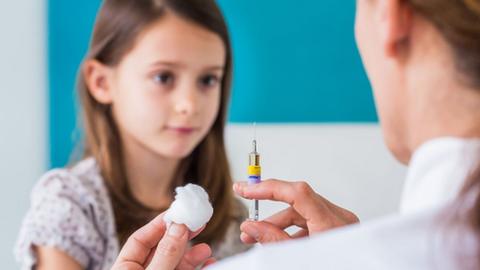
191,207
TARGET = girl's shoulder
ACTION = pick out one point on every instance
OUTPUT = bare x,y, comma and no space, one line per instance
70,210
77,188
81,180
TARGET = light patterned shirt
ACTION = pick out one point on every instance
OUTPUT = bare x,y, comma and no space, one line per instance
71,211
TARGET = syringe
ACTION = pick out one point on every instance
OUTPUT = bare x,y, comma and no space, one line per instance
254,177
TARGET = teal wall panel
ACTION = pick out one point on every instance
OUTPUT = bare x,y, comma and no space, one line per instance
69,27
296,61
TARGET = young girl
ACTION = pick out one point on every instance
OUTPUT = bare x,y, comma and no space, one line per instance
154,89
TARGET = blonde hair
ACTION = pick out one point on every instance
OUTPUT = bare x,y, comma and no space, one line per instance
459,23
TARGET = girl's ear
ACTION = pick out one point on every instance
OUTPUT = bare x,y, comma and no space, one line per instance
98,79
395,24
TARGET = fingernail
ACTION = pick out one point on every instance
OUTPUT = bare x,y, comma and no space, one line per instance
237,188
176,230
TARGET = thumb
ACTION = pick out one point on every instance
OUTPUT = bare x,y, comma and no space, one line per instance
262,232
171,248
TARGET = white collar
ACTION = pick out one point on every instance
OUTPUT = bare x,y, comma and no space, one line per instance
437,172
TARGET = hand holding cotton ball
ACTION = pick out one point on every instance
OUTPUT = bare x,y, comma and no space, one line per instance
191,207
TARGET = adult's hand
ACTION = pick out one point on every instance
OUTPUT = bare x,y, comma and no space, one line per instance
308,210
155,247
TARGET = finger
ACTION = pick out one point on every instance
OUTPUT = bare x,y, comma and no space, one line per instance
286,218
138,246
171,248
282,220
347,216
195,257
153,250
247,239
308,204
150,256
263,232
274,190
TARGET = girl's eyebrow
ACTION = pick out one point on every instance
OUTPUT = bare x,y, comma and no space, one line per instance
214,68
167,63
181,65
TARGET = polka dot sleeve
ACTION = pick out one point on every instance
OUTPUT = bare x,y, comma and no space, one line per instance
59,217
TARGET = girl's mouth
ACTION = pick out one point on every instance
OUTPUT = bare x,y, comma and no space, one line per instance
182,130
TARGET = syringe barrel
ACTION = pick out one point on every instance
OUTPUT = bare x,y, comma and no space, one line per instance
254,159
254,174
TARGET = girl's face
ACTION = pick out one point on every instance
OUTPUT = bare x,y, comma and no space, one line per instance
166,91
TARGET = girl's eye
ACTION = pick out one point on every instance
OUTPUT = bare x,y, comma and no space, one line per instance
164,78
209,81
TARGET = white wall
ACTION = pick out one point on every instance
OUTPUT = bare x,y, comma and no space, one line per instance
348,164
22,113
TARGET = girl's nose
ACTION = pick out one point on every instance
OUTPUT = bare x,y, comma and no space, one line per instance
186,102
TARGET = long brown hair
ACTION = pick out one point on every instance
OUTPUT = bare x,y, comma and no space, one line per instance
459,23
118,24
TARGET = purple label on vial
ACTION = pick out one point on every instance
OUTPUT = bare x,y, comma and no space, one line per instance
253,179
